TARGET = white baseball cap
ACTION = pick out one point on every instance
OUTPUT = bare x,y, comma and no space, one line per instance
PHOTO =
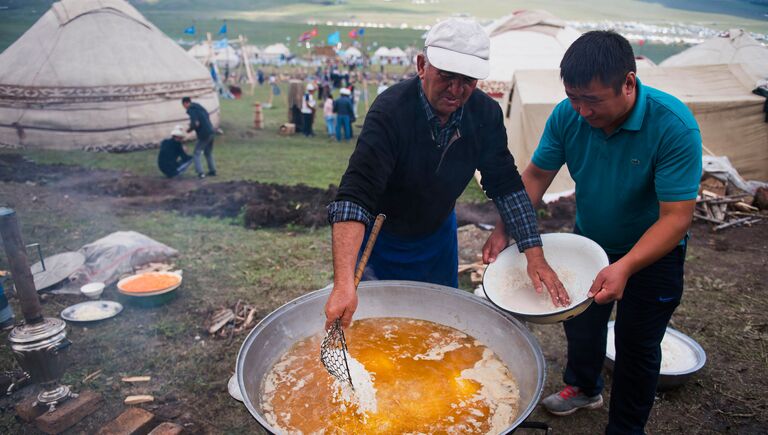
178,131
460,46
310,87
345,91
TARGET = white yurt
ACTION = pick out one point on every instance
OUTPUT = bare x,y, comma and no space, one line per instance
202,52
397,55
96,75
226,57
275,52
351,53
527,39
734,46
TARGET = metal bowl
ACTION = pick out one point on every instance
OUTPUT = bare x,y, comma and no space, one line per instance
576,259
304,316
668,379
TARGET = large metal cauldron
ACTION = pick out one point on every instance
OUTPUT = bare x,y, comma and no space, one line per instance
303,317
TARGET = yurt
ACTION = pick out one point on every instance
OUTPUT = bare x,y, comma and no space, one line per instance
96,75
275,52
527,39
733,46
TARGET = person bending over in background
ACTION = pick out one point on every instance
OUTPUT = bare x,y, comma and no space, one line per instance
172,159
200,122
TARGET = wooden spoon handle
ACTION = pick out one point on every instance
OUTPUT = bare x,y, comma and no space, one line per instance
368,248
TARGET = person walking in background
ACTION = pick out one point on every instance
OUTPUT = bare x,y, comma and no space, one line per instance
345,115
330,117
200,122
308,105
172,159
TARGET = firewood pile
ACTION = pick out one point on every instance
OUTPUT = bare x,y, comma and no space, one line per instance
228,322
475,271
726,207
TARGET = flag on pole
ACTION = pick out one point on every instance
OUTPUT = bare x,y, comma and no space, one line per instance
334,38
361,31
223,28
190,30
309,34
353,33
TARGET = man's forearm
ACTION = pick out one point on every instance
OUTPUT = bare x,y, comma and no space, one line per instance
347,237
660,238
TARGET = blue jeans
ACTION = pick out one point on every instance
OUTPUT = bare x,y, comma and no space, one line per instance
343,121
650,298
204,146
330,124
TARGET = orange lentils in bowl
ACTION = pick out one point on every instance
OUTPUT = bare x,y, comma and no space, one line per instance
150,282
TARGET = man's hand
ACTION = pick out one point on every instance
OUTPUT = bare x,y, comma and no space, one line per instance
541,273
609,283
496,243
342,303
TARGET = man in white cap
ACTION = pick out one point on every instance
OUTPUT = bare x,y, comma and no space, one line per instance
172,159
308,105
421,143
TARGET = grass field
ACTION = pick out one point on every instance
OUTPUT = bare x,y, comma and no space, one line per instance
265,22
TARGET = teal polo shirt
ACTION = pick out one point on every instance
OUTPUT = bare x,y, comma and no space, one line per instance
655,155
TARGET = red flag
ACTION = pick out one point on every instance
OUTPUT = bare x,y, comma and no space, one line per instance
353,33
309,34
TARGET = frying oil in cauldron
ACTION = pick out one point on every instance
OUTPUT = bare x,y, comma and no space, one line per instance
427,377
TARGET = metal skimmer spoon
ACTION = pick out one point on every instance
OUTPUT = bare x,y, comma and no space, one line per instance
333,349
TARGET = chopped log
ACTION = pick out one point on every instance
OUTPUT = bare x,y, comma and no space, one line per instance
135,400
92,376
741,206
136,379
706,218
718,211
221,319
250,317
733,223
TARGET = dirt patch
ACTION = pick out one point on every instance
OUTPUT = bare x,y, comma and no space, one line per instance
16,168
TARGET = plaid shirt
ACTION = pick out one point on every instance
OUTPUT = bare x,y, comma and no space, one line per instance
519,219
441,135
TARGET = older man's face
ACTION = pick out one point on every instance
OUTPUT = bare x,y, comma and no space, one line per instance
445,91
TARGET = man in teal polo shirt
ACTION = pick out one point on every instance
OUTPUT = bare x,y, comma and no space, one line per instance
635,155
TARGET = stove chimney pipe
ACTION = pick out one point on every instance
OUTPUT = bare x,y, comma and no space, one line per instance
16,252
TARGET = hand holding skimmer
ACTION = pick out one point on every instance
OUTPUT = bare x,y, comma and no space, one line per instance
333,349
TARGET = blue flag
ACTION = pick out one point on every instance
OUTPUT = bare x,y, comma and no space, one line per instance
221,44
190,30
334,38
361,31
223,28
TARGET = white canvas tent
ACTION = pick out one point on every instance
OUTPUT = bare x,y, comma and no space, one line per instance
227,57
96,75
275,52
734,46
731,118
527,40
351,53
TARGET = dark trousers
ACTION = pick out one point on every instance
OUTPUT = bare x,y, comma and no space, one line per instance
650,298
307,119
343,123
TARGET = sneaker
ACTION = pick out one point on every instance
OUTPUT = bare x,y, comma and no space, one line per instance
211,173
8,324
201,175
569,399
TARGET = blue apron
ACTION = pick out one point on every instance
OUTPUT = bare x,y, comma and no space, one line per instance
433,259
